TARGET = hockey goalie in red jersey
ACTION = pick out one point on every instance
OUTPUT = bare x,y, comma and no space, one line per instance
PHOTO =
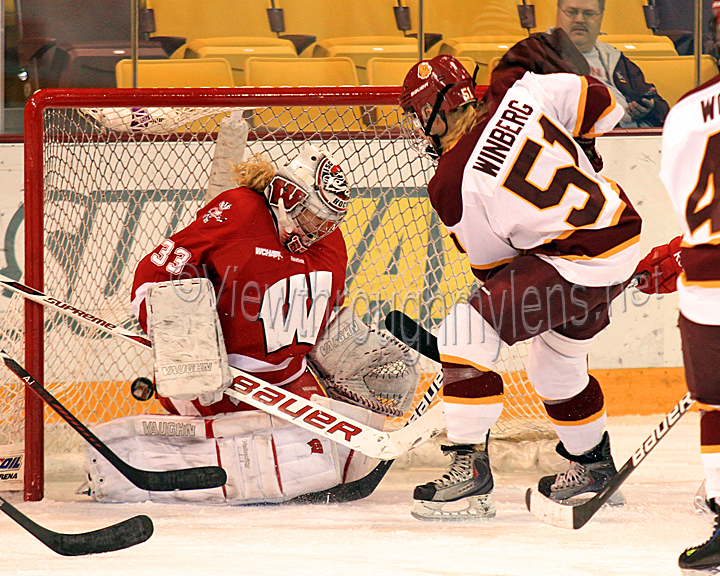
259,261
551,240
253,283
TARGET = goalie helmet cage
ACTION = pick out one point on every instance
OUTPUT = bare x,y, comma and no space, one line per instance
109,174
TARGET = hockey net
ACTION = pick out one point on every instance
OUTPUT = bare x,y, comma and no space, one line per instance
106,184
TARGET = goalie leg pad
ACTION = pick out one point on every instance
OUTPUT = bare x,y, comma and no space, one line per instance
190,356
151,442
266,460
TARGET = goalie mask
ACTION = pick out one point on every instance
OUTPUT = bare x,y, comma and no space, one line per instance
309,198
430,90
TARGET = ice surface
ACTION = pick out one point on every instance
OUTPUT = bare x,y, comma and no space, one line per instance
377,536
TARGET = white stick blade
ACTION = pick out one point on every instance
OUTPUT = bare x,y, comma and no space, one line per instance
549,512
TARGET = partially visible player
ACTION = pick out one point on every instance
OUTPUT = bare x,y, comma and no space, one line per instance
690,171
553,243
252,283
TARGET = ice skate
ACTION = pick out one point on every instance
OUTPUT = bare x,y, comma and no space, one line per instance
705,558
463,492
588,473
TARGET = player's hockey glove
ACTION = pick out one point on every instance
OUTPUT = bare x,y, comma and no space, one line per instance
588,146
657,273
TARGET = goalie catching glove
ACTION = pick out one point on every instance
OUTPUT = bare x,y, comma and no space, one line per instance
658,272
364,366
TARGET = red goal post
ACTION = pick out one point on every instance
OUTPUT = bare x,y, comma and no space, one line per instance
110,173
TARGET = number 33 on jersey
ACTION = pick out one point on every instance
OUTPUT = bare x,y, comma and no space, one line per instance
519,183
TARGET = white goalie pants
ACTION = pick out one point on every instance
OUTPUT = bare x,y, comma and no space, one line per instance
266,459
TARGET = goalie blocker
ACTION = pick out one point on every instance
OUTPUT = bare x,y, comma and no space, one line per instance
188,346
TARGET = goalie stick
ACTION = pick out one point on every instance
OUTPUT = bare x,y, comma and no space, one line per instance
184,479
124,534
575,517
275,400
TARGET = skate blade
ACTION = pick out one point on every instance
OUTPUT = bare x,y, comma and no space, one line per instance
470,509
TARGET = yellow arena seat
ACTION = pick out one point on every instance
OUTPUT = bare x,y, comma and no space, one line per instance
206,72
391,72
361,49
190,19
673,76
481,49
337,71
464,18
171,73
335,19
633,45
236,50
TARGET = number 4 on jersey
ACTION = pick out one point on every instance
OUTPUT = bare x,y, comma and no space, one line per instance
704,202
284,311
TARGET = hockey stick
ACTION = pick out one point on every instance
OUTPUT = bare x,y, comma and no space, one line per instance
185,479
116,537
575,517
363,487
274,400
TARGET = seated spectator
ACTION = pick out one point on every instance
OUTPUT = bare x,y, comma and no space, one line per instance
581,20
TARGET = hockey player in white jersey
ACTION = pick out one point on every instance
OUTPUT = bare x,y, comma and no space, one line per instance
553,243
690,171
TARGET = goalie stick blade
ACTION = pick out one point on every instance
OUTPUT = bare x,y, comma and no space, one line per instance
163,481
356,490
412,334
124,534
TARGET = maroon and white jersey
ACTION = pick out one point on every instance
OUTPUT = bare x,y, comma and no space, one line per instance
272,304
518,183
690,171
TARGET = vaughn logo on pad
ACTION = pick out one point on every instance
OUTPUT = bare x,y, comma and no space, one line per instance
189,368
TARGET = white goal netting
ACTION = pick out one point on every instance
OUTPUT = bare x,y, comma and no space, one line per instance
116,182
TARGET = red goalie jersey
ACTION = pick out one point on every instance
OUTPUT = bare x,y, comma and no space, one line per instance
272,303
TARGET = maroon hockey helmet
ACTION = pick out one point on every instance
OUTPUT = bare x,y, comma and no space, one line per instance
433,88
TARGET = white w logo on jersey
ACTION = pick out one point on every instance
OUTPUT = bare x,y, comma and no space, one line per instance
284,310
